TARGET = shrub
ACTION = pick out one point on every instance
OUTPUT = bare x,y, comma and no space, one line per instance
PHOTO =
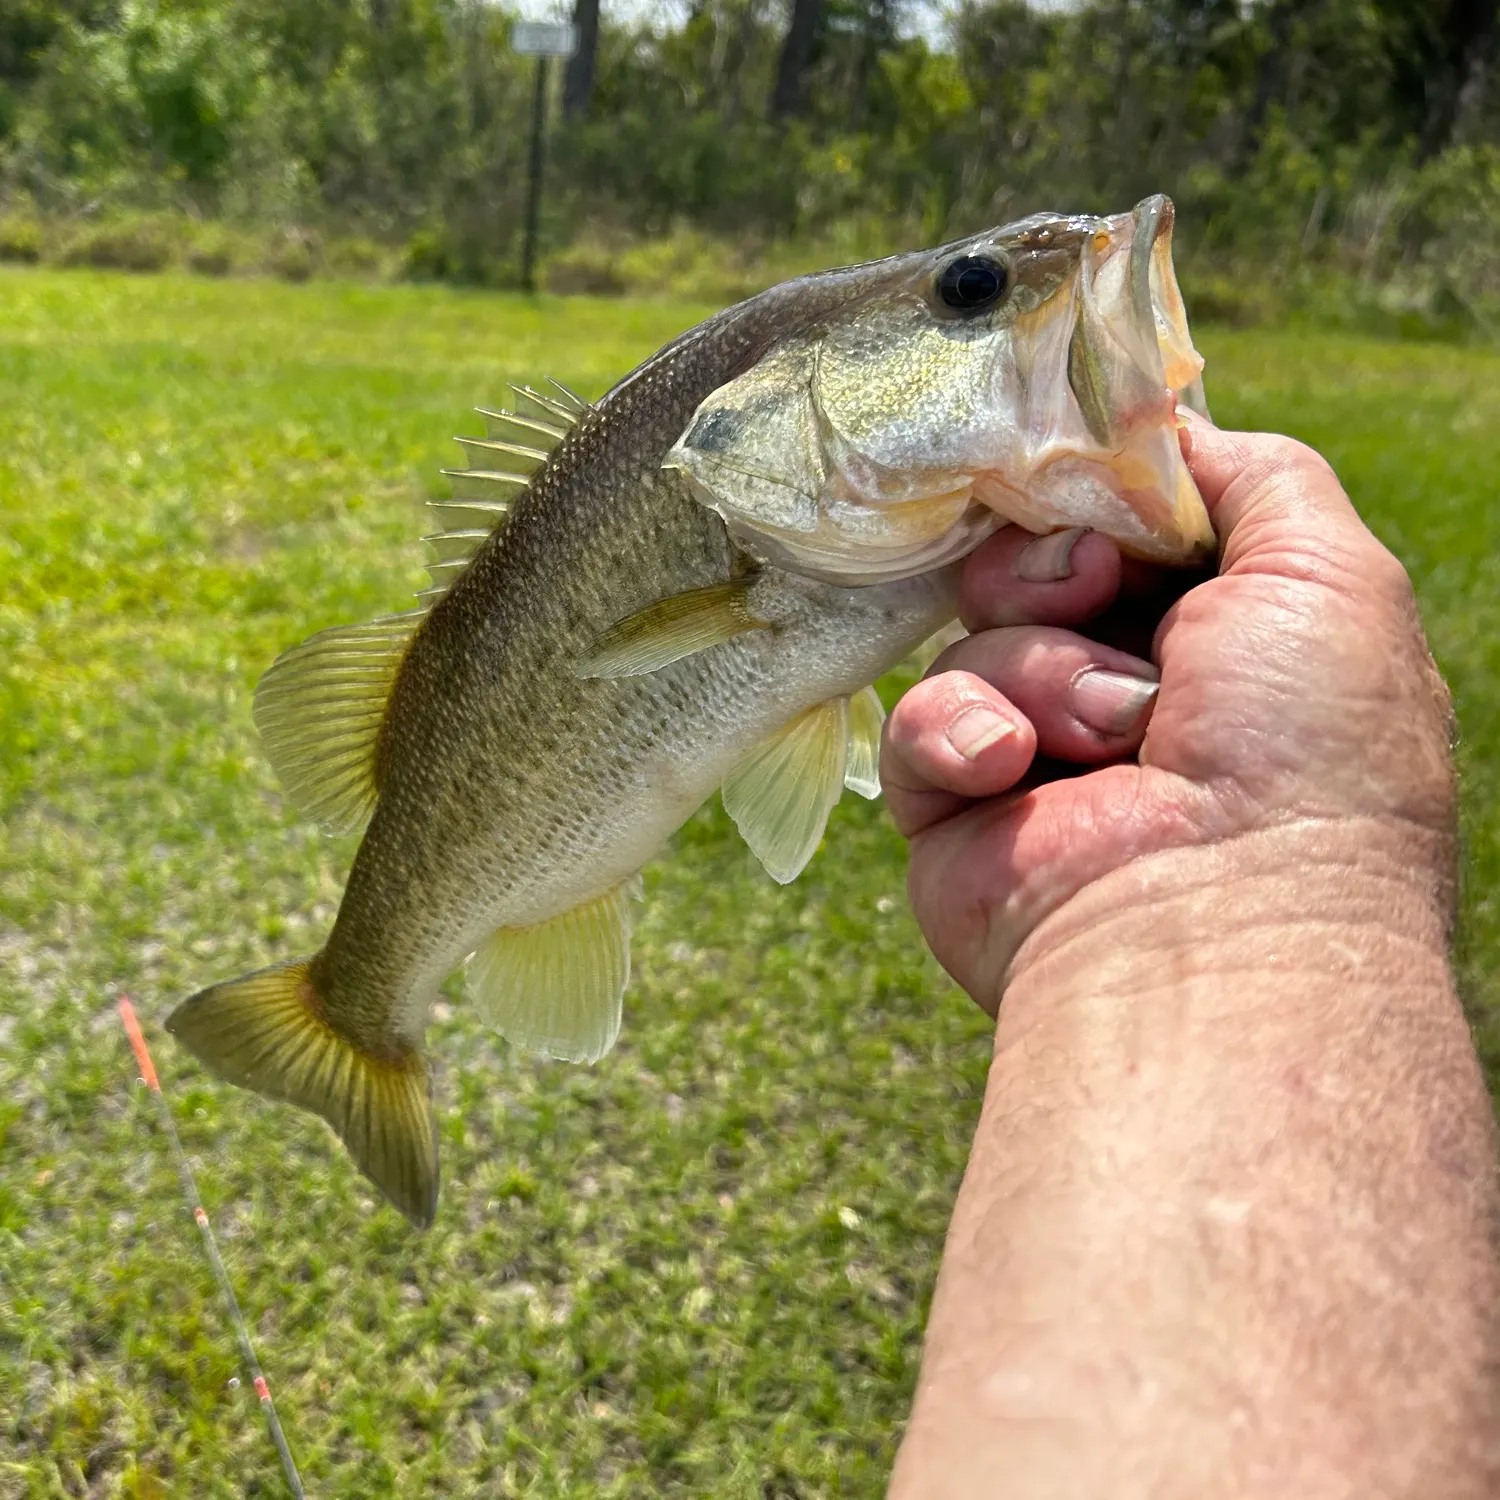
293,255
21,238
216,250
1237,302
684,263
139,242
357,258
425,257
588,268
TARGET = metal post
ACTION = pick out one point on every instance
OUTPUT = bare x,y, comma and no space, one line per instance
534,179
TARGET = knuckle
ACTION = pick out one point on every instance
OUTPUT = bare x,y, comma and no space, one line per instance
1295,468
1274,453
1389,575
1293,456
953,692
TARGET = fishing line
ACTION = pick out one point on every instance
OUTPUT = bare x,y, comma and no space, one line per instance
205,1229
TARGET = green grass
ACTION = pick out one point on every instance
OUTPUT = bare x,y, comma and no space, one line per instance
700,1268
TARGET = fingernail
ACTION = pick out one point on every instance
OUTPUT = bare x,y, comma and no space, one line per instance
1049,559
1111,702
976,729
1185,419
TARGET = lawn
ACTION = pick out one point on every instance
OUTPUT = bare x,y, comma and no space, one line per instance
700,1268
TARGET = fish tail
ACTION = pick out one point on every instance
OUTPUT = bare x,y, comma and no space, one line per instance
270,1032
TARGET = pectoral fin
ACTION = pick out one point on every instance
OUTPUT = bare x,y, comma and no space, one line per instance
319,710
556,987
862,767
671,629
933,647
780,795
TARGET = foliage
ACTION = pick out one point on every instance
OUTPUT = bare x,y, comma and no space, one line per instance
140,242
700,1268
22,237
1355,133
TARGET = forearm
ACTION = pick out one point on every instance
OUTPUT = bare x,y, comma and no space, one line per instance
1228,1223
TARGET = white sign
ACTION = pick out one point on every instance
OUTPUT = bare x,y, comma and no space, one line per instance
544,38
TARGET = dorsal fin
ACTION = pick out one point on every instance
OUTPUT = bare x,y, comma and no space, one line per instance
518,444
319,709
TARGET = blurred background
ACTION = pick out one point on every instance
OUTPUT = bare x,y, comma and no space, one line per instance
1342,155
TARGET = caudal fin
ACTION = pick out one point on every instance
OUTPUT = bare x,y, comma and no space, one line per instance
267,1032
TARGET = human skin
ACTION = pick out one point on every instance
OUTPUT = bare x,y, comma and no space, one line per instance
1229,1223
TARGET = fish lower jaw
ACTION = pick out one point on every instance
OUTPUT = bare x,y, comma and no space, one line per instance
1145,503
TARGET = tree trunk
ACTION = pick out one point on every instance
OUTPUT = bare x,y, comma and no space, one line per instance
1270,79
1469,32
578,78
732,79
875,37
796,56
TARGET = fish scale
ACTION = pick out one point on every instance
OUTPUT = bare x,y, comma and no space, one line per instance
692,590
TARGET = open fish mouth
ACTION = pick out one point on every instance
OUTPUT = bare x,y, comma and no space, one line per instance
1029,374
1130,364
1131,352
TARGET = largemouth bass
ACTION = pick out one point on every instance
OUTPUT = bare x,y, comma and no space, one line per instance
687,586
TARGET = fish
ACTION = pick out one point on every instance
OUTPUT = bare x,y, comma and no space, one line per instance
687,586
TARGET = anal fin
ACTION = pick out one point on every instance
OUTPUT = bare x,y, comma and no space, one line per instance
671,629
780,795
268,1032
556,987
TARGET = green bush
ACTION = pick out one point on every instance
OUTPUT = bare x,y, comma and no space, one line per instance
589,268
425,256
142,242
216,250
1233,301
21,238
293,255
1446,224
684,263
357,258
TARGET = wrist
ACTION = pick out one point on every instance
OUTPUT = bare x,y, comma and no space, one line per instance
1314,897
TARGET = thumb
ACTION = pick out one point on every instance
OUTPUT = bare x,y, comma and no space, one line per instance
1263,489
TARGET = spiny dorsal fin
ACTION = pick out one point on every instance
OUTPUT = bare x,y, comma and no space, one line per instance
319,710
502,464
556,987
566,404
671,629
862,767
780,795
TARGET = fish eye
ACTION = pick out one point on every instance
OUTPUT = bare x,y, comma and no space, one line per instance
972,283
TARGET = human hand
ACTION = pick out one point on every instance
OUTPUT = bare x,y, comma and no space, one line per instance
1297,701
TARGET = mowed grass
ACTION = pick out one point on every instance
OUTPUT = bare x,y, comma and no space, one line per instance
700,1268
